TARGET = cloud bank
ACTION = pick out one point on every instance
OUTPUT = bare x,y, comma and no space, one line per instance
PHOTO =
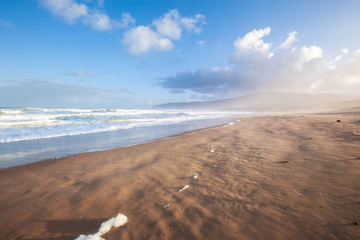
46,93
159,36
257,65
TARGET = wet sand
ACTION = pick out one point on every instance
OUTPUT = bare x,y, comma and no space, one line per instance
270,177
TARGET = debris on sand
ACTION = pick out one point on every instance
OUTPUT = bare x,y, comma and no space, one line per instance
286,161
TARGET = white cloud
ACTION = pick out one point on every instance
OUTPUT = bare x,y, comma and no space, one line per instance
126,21
253,41
201,43
308,54
99,21
191,24
168,25
160,34
345,51
172,24
305,69
338,58
289,41
71,11
142,39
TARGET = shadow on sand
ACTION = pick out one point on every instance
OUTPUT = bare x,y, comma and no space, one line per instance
68,229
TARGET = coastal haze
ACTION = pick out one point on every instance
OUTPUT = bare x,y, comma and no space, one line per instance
179,119
275,102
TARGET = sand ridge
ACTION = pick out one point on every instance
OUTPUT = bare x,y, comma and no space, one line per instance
270,177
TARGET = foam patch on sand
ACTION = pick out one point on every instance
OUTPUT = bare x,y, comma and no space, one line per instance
115,222
167,205
196,176
185,187
229,124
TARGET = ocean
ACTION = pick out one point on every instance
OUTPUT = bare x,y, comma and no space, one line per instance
29,135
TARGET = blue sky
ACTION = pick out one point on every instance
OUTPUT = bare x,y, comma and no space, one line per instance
135,54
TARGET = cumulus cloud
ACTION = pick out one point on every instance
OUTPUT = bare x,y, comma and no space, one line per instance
142,39
126,21
307,54
160,34
168,25
251,69
253,42
191,24
71,11
157,36
172,24
289,41
99,21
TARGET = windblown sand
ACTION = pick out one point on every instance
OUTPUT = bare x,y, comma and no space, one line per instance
269,177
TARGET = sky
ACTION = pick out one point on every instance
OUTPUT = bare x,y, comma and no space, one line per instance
137,54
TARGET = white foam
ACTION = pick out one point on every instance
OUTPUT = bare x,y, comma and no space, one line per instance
185,187
167,205
115,222
23,124
212,150
196,176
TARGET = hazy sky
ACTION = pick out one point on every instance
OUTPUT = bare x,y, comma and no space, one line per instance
135,54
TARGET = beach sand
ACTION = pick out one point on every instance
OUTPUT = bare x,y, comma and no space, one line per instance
267,177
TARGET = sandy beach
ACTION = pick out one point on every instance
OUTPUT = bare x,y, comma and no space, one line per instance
287,176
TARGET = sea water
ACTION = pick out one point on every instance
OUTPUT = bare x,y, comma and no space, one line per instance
33,134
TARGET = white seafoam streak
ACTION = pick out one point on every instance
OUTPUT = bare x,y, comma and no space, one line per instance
21,124
185,187
114,222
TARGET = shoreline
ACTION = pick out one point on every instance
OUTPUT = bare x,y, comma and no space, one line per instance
33,151
292,176
114,148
